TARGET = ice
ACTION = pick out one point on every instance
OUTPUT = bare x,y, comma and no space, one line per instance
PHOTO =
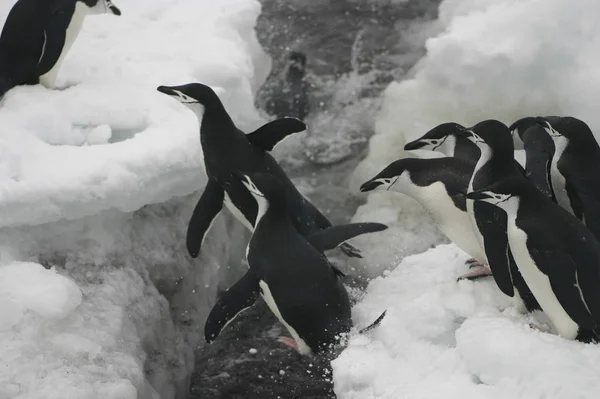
98,179
486,59
446,339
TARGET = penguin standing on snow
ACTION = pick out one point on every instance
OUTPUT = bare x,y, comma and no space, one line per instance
539,151
439,185
291,274
37,36
227,149
496,162
575,168
557,255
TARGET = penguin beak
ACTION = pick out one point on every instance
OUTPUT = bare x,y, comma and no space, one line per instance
370,185
414,145
112,8
478,195
166,90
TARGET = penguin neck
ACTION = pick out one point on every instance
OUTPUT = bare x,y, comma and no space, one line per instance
215,119
269,209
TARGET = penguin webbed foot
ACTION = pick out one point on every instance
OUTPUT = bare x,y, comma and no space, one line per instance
350,250
476,274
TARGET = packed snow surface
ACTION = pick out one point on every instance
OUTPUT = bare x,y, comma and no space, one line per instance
500,59
446,339
98,178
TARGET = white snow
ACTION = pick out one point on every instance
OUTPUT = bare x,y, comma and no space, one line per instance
501,59
446,339
98,179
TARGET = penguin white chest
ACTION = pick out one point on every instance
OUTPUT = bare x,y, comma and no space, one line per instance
236,212
557,179
303,348
538,282
451,221
81,10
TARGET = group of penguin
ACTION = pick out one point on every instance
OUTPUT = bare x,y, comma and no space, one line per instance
536,229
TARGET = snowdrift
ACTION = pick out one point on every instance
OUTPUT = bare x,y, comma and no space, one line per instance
98,297
490,59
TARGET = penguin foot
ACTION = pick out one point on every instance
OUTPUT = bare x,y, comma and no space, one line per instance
473,263
291,342
476,274
350,250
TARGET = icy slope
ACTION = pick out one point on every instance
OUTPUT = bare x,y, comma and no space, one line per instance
98,297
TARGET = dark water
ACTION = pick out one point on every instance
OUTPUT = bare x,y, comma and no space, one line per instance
354,49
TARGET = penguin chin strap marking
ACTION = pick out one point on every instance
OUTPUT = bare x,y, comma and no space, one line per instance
440,143
392,183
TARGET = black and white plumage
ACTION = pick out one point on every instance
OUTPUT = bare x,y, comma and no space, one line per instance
496,162
227,149
291,273
438,139
439,185
37,36
575,168
556,254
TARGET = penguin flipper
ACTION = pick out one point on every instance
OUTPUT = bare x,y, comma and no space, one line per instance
269,135
333,236
207,209
562,272
495,242
55,31
234,301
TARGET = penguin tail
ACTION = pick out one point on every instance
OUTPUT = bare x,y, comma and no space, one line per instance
374,324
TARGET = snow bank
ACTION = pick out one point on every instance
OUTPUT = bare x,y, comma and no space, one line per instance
457,340
98,180
108,139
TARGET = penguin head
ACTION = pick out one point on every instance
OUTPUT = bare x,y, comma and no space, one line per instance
574,130
102,7
491,134
262,186
441,138
504,193
396,175
195,96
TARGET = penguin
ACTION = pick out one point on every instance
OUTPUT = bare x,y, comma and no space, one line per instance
437,139
496,161
558,257
37,36
439,185
290,98
574,173
291,273
225,149
539,151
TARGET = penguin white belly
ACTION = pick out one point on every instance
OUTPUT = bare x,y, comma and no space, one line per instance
81,10
452,221
270,301
237,213
557,179
539,283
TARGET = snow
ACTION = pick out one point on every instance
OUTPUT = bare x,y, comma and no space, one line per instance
98,179
446,339
501,59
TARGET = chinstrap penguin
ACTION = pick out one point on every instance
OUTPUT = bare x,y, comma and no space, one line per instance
38,34
439,185
496,162
539,151
291,273
557,255
575,168
225,148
